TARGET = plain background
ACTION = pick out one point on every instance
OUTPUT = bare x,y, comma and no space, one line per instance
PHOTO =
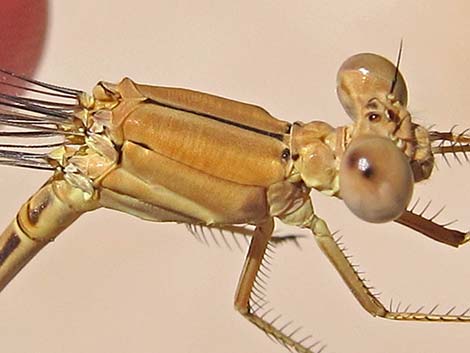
114,283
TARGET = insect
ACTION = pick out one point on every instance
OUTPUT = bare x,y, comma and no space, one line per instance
176,155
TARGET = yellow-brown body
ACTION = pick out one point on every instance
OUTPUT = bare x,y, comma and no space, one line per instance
176,155
192,153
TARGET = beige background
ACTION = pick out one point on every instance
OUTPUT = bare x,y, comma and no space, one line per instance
113,283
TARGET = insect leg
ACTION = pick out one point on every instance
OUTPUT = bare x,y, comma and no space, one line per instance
362,293
44,216
246,232
248,283
332,250
433,230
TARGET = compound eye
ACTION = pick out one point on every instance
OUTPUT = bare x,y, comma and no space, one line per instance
367,75
375,179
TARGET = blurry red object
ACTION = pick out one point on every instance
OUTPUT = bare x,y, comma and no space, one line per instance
22,35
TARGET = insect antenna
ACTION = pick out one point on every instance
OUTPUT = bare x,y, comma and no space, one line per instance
395,77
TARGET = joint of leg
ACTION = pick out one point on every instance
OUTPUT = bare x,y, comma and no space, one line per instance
244,310
319,227
465,239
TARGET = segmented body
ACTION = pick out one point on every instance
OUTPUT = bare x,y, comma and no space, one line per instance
176,155
163,154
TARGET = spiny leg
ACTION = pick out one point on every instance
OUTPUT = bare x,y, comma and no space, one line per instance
362,293
275,238
199,232
433,230
451,143
247,290
443,143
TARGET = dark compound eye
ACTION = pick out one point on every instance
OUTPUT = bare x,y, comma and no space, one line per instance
375,178
365,167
